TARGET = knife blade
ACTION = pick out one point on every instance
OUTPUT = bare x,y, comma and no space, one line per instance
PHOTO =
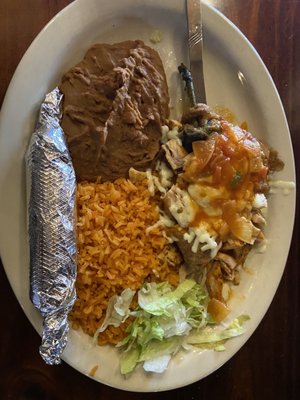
195,41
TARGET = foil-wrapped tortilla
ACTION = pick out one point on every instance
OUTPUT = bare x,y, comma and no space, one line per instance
51,186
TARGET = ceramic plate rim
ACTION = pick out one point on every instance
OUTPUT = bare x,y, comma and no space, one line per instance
4,112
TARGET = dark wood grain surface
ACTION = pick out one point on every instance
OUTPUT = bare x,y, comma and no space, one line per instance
268,366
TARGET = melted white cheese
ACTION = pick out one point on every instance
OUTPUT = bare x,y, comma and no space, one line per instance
200,235
165,174
183,209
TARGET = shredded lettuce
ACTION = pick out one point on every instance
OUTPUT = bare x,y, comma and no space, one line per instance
165,320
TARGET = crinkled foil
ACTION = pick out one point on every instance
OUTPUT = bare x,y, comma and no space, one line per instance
51,187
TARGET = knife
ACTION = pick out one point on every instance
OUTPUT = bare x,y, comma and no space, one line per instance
195,41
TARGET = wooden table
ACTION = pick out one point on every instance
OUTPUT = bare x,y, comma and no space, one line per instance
268,366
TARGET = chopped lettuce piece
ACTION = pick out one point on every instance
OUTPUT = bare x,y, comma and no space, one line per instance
155,354
117,311
156,348
128,360
160,299
209,336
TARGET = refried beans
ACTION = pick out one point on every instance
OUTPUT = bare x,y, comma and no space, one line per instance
115,102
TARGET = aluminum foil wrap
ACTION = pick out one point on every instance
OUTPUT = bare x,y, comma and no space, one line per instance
51,187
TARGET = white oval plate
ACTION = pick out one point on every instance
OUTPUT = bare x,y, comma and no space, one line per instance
235,77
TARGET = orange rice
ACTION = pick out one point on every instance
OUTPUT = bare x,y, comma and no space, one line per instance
114,249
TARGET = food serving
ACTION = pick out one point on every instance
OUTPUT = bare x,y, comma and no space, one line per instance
167,210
